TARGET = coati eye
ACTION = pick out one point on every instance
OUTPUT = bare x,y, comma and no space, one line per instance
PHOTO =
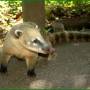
36,41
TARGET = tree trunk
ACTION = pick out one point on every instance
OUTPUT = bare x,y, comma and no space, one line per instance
34,11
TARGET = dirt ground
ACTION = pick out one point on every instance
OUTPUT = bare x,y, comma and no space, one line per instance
70,69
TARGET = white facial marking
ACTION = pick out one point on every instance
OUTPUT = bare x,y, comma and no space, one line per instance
28,43
36,26
41,39
34,44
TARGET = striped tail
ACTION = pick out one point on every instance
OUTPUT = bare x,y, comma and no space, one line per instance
69,36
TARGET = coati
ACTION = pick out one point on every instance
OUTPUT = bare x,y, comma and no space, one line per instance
26,42
57,33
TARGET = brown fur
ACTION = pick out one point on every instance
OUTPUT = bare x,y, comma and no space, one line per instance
69,36
58,34
18,42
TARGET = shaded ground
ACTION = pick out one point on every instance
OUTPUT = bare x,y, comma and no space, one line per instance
70,69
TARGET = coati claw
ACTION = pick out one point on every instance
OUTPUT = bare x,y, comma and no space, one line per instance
31,73
3,68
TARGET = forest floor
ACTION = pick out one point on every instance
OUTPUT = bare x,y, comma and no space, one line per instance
70,69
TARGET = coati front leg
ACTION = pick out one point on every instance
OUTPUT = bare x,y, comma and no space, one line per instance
4,62
31,63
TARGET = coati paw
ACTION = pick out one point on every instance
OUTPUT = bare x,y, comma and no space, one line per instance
31,73
3,68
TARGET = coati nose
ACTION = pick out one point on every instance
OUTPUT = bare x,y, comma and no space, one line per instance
46,49
52,50
49,49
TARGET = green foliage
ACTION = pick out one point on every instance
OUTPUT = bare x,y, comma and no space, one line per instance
66,8
10,8
8,11
64,2
15,6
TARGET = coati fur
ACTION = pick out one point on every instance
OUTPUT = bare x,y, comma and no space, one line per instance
57,33
69,36
26,42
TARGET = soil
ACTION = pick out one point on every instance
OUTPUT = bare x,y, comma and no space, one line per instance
70,69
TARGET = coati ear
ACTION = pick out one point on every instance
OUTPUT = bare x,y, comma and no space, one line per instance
18,33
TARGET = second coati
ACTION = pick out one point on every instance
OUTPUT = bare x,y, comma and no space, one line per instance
57,33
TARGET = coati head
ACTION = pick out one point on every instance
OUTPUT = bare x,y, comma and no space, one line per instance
28,36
